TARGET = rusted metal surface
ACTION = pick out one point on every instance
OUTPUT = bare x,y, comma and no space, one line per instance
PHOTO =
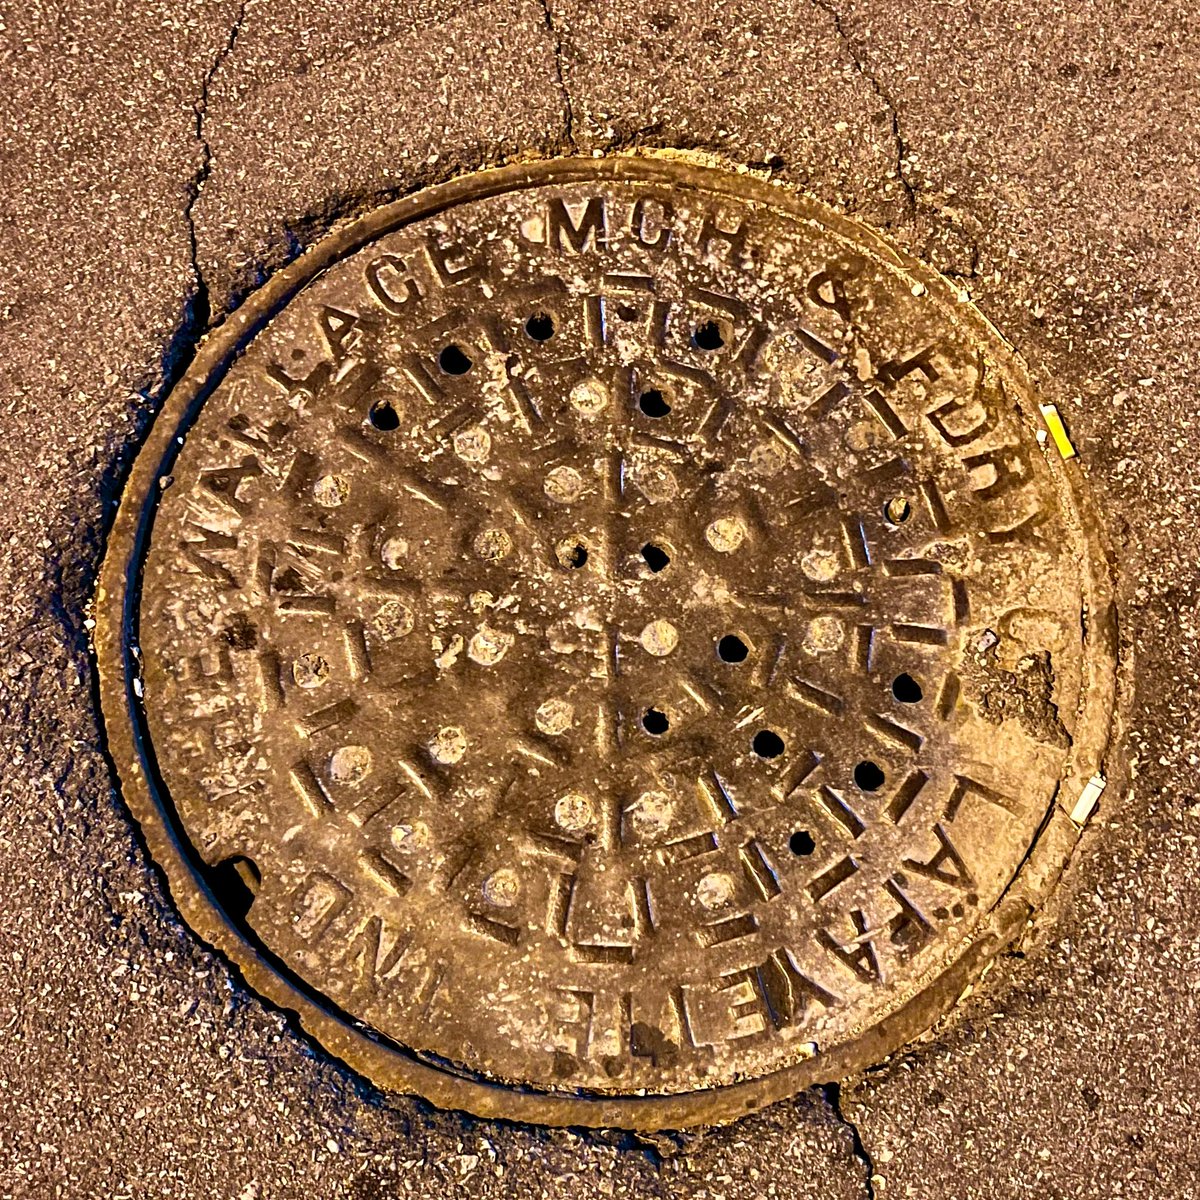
604,643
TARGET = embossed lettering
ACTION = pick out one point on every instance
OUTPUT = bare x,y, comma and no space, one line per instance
661,220
563,231
390,282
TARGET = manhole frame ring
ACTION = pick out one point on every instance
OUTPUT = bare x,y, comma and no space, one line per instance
395,1067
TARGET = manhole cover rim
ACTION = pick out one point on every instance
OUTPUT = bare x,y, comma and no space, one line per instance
397,1067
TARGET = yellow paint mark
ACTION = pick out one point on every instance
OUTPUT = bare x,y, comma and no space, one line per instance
1058,431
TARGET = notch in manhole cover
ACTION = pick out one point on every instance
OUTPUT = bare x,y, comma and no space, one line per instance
602,642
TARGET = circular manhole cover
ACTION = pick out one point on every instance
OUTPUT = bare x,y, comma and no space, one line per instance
604,643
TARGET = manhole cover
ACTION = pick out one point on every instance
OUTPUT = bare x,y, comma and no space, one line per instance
603,642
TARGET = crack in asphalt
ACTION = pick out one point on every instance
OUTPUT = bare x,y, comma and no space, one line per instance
199,312
560,75
972,271
833,1097
863,69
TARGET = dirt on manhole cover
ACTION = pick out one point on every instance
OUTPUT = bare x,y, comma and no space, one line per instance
604,643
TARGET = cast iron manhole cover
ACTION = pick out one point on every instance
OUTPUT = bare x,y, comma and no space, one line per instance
603,643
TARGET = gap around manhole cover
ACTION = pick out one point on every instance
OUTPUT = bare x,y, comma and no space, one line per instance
602,642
